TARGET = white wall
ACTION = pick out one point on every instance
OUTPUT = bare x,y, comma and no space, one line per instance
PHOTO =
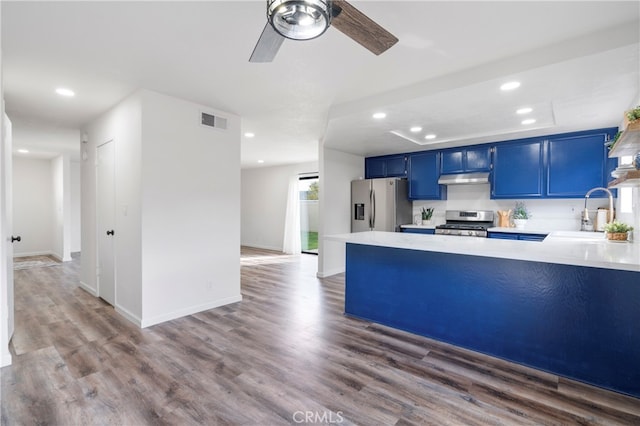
33,208
337,170
264,203
75,218
122,125
177,221
61,190
190,209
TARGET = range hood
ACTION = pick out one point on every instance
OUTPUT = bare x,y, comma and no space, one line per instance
464,178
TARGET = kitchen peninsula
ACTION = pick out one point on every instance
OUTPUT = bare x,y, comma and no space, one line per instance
569,305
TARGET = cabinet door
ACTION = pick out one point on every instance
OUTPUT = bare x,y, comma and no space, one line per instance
518,170
502,235
575,165
396,166
375,167
452,162
478,159
424,171
419,231
531,237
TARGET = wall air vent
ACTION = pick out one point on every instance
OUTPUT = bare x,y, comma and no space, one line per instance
213,121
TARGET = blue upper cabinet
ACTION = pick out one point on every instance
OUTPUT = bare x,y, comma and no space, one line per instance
478,158
578,163
386,166
518,169
452,161
424,171
466,160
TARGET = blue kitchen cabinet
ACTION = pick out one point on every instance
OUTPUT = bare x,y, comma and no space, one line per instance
578,163
516,236
466,160
424,171
518,169
452,161
429,231
386,166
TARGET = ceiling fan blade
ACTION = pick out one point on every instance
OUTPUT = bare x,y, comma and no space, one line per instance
267,46
356,25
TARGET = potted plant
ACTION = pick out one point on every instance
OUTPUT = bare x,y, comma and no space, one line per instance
426,215
520,215
632,119
617,231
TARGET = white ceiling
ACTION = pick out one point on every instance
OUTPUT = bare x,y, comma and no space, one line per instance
578,63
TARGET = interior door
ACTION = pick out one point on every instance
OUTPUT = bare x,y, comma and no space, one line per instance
105,194
6,212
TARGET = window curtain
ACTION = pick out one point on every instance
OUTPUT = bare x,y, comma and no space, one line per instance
291,244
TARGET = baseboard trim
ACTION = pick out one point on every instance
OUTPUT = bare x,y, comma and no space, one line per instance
330,273
129,316
34,253
147,322
86,287
258,246
5,358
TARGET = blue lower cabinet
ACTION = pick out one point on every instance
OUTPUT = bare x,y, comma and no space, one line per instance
419,231
516,236
574,321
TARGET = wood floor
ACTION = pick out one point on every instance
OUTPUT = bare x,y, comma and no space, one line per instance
285,355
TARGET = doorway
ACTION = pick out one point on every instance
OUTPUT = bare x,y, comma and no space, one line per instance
105,198
308,188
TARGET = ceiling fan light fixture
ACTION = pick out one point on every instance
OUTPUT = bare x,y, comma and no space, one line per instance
299,19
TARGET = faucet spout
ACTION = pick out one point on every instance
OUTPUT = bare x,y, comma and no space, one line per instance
585,216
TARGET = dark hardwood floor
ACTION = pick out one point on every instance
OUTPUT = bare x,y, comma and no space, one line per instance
286,354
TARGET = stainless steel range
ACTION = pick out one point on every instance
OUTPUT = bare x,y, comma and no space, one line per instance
466,223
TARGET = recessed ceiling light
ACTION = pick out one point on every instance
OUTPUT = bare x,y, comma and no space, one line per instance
260,161
23,151
249,134
510,85
430,136
526,110
416,129
528,121
379,115
65,92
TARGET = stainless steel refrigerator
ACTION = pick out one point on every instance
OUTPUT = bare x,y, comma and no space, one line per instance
379,205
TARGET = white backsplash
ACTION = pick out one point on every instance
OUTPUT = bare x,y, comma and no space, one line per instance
552,214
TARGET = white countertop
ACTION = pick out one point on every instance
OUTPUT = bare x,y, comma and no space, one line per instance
562,247
520,231
412,226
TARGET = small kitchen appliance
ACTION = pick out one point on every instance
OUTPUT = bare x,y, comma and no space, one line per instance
466,223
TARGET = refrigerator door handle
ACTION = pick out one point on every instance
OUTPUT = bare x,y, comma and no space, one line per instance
373,209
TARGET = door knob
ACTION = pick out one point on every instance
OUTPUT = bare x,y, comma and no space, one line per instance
18,238
110,232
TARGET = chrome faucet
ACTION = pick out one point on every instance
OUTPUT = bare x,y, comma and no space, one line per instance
585,224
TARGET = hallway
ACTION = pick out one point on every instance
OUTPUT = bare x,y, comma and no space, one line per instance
285,351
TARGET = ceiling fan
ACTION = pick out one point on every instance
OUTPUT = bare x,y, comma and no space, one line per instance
308,19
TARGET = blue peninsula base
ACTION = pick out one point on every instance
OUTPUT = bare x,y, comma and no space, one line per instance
574,321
